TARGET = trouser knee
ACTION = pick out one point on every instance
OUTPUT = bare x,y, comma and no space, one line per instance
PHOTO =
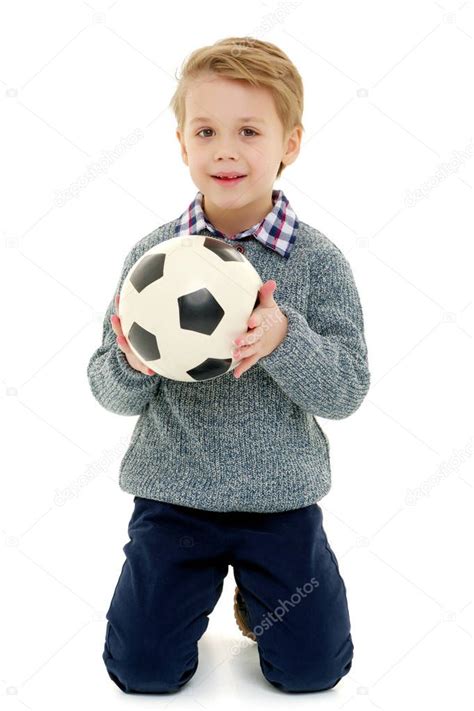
147,680
298,684
301,678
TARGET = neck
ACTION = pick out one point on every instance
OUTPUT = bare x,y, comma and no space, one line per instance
231,222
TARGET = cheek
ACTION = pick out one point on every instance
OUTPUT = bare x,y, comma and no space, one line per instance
198,157
261,156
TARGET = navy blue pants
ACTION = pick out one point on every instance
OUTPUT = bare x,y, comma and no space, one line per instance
176,561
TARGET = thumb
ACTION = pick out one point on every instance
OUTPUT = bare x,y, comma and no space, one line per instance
266,293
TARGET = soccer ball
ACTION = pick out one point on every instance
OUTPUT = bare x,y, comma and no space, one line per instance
182,304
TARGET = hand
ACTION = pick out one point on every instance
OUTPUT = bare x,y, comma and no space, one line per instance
268,326
132,359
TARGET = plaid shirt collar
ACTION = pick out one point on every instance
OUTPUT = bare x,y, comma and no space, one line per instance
276,231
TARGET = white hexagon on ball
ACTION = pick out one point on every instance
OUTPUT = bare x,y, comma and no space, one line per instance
182,304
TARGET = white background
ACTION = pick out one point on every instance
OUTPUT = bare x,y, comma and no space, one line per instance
385,171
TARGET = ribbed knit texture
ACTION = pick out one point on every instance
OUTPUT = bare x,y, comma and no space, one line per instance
252,443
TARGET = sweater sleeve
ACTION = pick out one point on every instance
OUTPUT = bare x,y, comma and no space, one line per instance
322,363
115,385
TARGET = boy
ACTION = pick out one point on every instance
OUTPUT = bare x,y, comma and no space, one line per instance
230,470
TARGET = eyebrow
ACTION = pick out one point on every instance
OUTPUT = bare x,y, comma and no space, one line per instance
244,119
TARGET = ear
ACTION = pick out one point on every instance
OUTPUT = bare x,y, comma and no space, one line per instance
184,153
292,145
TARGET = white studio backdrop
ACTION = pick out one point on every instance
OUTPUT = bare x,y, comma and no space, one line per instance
89,165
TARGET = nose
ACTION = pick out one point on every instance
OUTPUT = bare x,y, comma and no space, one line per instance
225,148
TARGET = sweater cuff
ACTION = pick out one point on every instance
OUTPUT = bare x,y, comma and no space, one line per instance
288,355
123,371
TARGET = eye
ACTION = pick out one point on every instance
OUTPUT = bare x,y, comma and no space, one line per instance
210,129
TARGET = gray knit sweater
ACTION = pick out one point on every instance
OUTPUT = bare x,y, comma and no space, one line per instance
252,443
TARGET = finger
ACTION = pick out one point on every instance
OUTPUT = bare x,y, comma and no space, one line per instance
146,370
116,325
266,293
255,320
246,338
245,365
253,336
122,341
245,351
123,345
241,368
249,338
136,364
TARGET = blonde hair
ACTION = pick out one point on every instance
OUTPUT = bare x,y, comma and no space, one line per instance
260,63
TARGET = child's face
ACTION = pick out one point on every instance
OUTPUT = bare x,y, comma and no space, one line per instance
220,141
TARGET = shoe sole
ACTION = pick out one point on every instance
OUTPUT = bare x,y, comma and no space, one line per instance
239,618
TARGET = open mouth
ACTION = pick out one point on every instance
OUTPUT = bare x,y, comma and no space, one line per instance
224,180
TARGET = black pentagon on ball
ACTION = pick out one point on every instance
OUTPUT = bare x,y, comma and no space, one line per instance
222,250
144,342
147,271
199,312
210,368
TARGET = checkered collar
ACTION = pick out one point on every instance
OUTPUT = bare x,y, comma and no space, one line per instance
276,231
